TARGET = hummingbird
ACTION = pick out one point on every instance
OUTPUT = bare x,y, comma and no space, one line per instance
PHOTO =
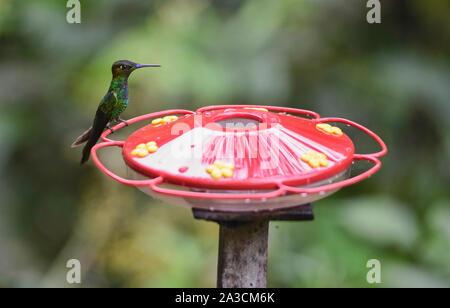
111,106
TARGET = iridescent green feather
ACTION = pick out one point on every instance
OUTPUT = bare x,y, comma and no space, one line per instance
116,99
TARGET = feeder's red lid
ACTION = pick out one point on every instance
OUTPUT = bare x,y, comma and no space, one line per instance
238,148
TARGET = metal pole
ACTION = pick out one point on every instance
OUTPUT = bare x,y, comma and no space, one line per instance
242,261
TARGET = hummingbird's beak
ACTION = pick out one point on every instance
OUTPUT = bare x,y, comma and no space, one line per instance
147,65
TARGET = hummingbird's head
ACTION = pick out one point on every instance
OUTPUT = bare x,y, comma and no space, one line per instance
125,67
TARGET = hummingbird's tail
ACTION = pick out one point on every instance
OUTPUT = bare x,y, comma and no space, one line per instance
100,122
82,139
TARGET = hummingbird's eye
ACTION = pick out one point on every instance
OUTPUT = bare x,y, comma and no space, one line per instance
123,67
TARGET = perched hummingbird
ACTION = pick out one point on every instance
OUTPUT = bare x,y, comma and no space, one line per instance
111,106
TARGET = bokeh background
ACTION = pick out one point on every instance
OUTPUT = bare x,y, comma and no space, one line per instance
393,77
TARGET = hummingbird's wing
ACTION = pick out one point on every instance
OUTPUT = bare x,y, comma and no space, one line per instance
106,106
102,117
100,122
108,103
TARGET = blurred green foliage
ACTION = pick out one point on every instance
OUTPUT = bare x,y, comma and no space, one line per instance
393,77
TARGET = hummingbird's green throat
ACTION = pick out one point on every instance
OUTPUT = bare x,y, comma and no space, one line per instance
111,106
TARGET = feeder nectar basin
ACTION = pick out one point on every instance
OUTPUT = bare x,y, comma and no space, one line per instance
239,158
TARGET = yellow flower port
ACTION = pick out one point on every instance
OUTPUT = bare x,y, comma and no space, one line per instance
334,130
220,169
167,119
143,149
257,108
315,159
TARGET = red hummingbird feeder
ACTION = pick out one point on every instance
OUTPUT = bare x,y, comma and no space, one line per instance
277,158
240,159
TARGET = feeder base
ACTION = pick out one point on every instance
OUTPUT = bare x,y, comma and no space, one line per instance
299,213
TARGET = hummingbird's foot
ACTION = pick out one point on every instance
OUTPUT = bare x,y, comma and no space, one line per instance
110,128
122,121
